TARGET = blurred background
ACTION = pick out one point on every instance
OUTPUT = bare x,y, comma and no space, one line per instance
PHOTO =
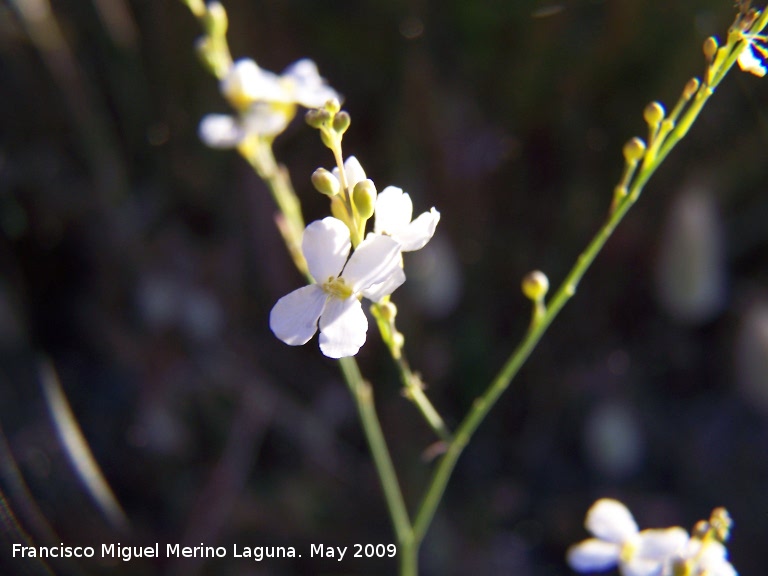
138,268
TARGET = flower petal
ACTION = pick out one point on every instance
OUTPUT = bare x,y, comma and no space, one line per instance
610,520
661,544
326,246
353,172
393,211
641,567
376,292
593,555
748,62
419,232
220,131
373,262
294,317
309,88
343,327
265,119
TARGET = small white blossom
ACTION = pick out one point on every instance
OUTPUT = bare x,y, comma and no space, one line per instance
393,213
334,300
751,58
707,558
266,101
619,542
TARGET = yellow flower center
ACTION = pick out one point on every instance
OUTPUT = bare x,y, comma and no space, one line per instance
337,288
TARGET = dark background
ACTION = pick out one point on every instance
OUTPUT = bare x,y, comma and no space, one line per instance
142,267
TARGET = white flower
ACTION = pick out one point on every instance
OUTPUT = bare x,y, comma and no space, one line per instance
749,61
303,82
707,558
266,102
334,300
618,541
393,218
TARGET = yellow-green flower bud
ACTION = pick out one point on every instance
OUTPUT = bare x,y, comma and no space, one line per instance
388,311
721,523
215,20
710,48
341,122
654,113
535,285
325,182
690,88
332,106
364,198
317,117
634,150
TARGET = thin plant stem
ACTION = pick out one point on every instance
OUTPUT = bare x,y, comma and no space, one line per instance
484,403
363,396
289,220
413,390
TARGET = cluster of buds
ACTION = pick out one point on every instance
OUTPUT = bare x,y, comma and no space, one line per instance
375,267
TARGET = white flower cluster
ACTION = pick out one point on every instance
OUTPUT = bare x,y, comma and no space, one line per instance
266,102
374,271
662,552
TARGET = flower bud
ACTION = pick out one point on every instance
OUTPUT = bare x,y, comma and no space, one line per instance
388,311
690,88
535,285
325,182
364,198
341,122
654,113
634,150
710,48
332,106
317,117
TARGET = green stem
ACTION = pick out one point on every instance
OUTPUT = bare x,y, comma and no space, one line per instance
289,219
363,396
565,292
414,391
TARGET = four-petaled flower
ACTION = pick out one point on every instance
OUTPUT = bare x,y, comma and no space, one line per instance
752,56
393,213
333,301
618,541
266,102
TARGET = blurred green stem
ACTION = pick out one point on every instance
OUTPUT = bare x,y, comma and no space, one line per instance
567,289
363,396
289,219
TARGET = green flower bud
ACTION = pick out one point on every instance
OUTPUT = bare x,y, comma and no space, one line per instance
341,122
690,88
325,182
634,150
215,20
710,48
364,198
388,311
535,285
332,106
317,117
654,113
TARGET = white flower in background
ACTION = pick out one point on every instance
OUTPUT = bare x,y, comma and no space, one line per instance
619,542
706,558
393,213
752,56
334,301
266,101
